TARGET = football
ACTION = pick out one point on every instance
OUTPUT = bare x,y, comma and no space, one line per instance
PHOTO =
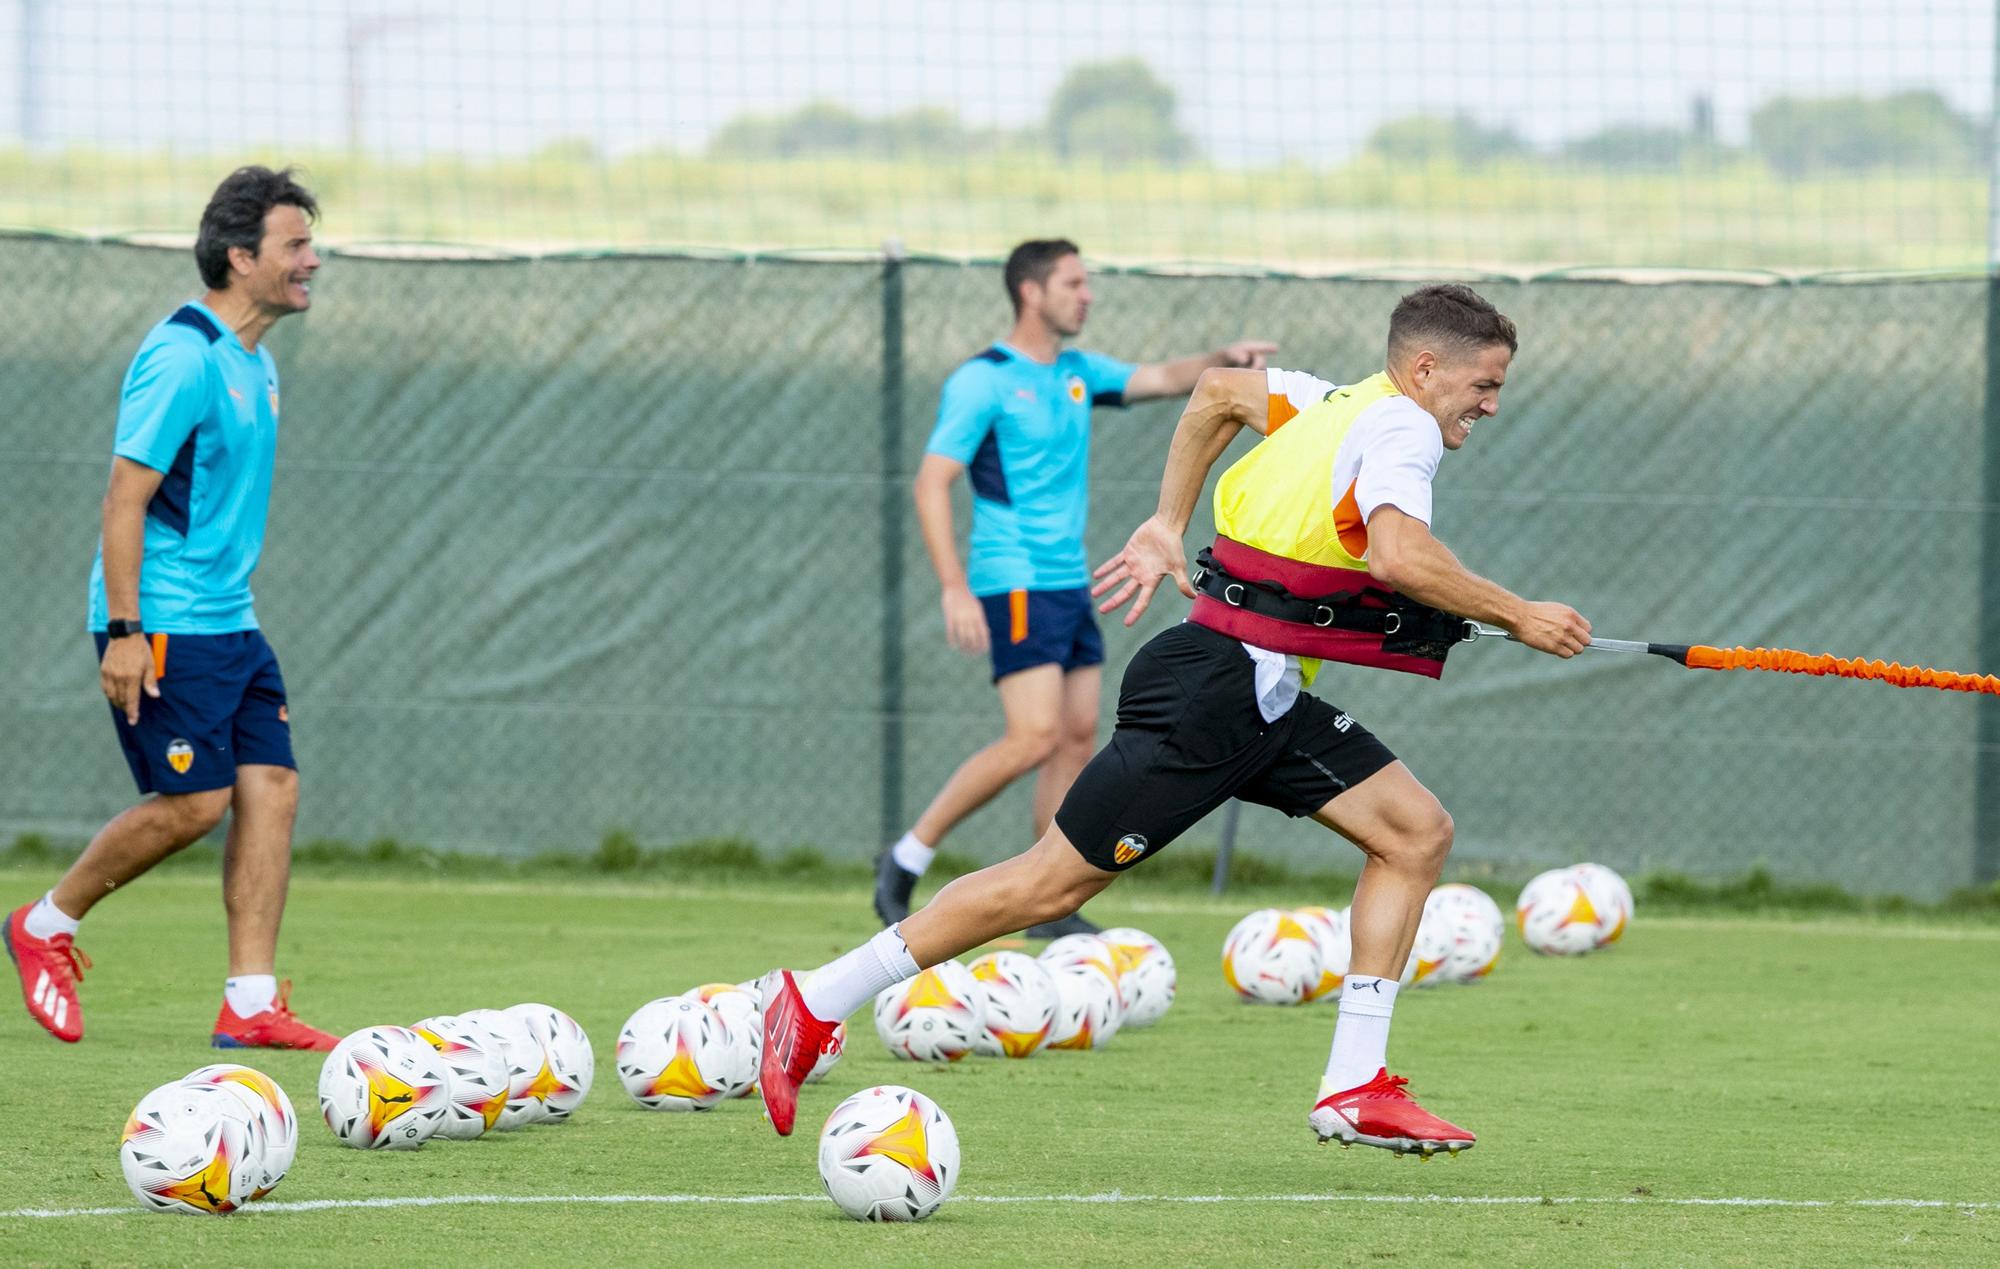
278,1122
1147,978
1328,927
935,1017
677,1053
1079,947
1610,896
1270,958
742,1008
479,1075
1020,1004
888,1154
1089,1009
1475,926
1430,951
191,1149
384,1088
1556,916
568,1065
523,1056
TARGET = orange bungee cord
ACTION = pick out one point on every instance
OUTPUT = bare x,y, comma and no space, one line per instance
1788,661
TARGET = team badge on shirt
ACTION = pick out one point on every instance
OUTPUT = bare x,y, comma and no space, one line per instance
1129,848
180,756
1076,389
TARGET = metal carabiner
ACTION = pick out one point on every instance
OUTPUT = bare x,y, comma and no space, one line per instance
1232,594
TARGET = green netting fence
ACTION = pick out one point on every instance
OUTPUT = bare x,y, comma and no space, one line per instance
562,545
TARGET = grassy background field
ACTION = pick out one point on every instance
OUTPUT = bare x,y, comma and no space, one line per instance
1837,1060
1518,213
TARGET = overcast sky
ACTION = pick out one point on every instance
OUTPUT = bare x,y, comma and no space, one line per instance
1258,80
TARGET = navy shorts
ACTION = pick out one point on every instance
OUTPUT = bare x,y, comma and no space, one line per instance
221,705
1042,627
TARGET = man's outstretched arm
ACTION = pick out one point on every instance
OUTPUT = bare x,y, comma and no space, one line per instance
1402,554
1224,403
1178,377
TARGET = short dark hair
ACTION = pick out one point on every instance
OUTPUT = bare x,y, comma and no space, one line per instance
1033,261
1449,318
235,215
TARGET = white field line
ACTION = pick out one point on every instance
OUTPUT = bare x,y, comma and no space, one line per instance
1113,1196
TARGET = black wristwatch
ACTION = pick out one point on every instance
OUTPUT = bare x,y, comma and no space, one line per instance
118,628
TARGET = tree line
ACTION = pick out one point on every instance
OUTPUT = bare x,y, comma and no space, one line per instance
1120,113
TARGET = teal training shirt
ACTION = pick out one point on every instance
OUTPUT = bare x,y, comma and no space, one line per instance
203,410
1022,429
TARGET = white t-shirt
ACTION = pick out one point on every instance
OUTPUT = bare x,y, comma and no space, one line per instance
1388,458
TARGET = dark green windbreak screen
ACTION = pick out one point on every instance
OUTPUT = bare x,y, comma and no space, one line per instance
559,546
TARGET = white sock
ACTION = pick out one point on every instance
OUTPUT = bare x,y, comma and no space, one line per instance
250,994
839,987
46,920
1360,1033
911,855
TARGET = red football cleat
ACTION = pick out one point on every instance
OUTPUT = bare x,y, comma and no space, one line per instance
793,1041
1380,1113
275,1028
50,969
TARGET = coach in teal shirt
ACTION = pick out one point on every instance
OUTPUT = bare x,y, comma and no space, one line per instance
202,410
195,691
1015,421
1021,430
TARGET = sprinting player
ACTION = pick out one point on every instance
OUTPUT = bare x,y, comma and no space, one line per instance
1324,552
195,691
1016,420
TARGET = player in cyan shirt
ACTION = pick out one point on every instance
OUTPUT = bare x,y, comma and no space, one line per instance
195,691
1015,421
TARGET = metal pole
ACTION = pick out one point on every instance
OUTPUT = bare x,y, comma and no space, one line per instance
894,506
1986,807
1232,811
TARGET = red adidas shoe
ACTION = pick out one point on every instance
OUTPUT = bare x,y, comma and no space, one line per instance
1380,1113
275,1028
50,969
793,1041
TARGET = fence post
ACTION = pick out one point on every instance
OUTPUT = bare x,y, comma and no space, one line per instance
1986,814
1986,807
1232,810
894,503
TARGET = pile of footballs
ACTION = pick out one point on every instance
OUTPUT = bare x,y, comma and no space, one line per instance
225,1135
1289,956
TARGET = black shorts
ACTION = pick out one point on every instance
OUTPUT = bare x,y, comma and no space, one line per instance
1190,737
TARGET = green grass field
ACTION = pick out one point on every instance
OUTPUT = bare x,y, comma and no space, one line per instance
1729,1089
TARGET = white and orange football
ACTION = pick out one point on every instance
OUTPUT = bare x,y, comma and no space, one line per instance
191,1149
1271,957
1557,916
888,1154
935,1017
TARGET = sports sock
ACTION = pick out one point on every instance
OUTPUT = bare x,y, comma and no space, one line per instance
911,855
250,994
1360,1033
839,987
46,920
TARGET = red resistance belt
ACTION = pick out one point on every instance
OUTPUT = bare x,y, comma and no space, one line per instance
1313,610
